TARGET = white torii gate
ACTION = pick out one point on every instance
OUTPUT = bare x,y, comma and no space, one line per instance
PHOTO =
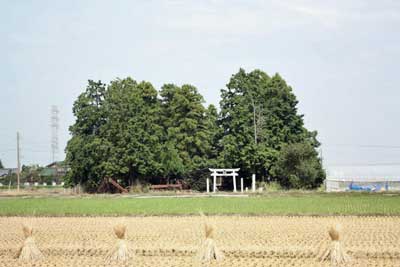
222,173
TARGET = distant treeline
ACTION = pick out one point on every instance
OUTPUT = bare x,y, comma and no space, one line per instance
130,131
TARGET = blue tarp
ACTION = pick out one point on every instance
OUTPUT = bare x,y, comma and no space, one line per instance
368,188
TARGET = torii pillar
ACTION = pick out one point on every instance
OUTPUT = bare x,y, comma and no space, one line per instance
214,182
234,182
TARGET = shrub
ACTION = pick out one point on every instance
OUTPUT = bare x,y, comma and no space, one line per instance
298,166
196,180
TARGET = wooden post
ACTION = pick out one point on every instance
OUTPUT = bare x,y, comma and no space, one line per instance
208,185
241,185
214,182
253,183
234,182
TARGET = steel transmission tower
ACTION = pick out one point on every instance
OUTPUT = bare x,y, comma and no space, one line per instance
54,132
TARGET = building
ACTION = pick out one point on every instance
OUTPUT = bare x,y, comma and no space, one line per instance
4,172
7,171
54,171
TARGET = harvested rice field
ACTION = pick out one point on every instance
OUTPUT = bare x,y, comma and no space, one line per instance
173,241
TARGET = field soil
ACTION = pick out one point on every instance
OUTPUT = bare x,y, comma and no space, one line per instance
173,241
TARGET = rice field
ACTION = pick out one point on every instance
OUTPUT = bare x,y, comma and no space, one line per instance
269,204
174,240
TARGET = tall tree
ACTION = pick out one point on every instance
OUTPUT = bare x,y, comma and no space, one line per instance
259,116
242,119
1,165
132,130
282,122
214,133
85,149
186,127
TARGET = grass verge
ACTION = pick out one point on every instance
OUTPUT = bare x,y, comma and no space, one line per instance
307,204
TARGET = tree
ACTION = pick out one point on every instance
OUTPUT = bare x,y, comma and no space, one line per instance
127,131
30,173
259,116
186,129
172,163
85,150
298,166
88,110
1,165
242,118
283,124
116,133
132,130
214,133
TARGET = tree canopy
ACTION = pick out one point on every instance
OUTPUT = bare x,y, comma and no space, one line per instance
259,116
130,131
298,166
186,128
1,165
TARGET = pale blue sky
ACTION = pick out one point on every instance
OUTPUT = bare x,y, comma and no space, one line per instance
341,57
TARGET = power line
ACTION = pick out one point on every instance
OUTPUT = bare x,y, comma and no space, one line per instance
37,151
365,164
7,150
362,146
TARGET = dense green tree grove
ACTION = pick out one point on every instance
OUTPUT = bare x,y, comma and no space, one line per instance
130,131
259,117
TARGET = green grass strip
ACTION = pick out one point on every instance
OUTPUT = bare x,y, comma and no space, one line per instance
318,204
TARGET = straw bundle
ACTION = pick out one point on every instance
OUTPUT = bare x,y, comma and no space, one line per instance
336,251
121,251
208,250
29,251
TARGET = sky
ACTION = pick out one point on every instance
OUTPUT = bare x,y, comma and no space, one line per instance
340,57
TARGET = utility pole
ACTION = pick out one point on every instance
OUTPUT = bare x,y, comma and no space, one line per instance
253,177
321,157
254,120
18,162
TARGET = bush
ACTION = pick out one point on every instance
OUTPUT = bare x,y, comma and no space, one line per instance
322,187
298,167
139,188
196,180
273,187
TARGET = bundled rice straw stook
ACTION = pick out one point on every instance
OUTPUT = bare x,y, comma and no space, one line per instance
29,251
121,252
208,250
336,252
